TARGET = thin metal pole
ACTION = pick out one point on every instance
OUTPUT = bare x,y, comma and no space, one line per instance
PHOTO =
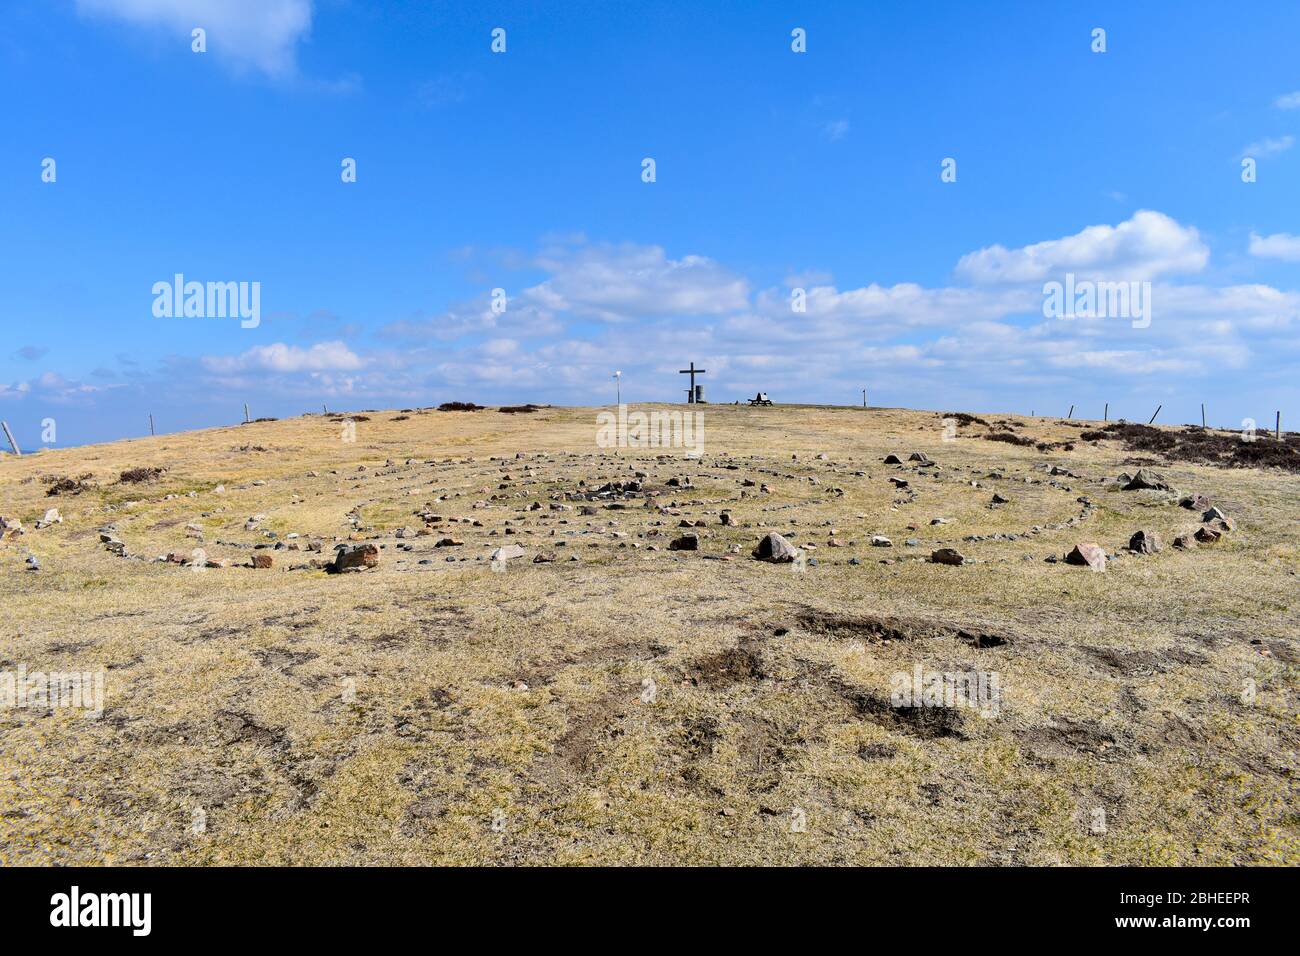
10,435
1154,414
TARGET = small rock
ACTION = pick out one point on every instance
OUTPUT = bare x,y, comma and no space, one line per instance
774,548
880,541
1144,542
1146,480
354,558
261,560
947,556
1219,520
1089,555
687,542
1208,535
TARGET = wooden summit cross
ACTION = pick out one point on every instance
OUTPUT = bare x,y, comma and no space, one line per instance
692,372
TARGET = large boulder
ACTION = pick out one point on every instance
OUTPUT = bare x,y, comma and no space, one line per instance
687,542
775,548
1089,555
354,558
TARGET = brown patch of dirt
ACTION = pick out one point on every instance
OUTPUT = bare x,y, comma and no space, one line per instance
241,728
1142,663
924,722
1074,737
726,667
873,628
590,727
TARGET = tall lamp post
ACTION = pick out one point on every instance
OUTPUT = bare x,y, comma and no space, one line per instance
618,387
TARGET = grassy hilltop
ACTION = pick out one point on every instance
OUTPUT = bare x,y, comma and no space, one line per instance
642,704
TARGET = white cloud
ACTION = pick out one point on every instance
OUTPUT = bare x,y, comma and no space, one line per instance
979,345
628,281
1280,245
279,357
1288,101
1269,147
258,34
1149,244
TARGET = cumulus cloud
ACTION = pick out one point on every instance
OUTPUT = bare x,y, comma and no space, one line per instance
982,344
258,34
279,357
1149,244
53,388
1270,146
621,282
1288,101
1280,245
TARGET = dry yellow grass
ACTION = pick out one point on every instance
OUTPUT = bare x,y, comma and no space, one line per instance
446,713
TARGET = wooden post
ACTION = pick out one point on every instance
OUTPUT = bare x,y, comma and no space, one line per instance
1278,428
10,435
325,408
245,413
1071,412
1105,416
151,431
1202,414
864,398
1154,414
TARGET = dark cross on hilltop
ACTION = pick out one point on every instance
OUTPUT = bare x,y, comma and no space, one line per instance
692,372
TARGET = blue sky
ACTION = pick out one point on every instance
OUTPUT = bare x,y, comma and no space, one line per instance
522,171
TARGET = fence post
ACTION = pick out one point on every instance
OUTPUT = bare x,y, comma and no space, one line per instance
10,435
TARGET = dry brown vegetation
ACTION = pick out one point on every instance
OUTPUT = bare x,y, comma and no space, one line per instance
638,704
